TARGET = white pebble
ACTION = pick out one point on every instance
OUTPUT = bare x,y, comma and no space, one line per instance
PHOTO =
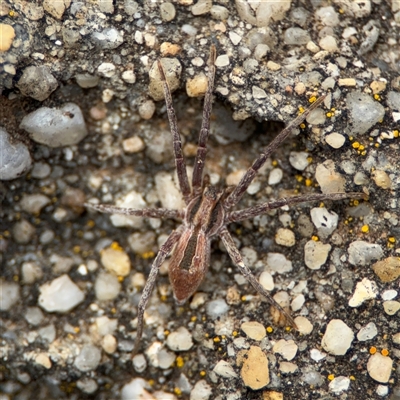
317,355
168,193
139,363
379,367
337,338
328,179
339,384
325,221
88,358
137,388
180,340
254,330
275,176
298,302
286,348
56,127
285,237
299,160
389,294
279,263
391,307
367,332
222,61
362,253
304,326
132,199
201,391
225,370
216,308
267,281
106,286
9,295
335,140
60,295
365,290
316,254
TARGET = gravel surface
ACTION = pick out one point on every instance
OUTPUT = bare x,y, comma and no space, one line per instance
82,119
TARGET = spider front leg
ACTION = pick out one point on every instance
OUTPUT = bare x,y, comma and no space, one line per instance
162,254
238,261
260,209
250,174
142,212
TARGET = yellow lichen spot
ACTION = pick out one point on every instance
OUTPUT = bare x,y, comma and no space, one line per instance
269,329
385,352
372,350
235,333
77,329
361,147
70,336
309,159
15,278
76,249
243,298
392,239
217,339
193,319
303,126
79,234
341,11
396,133
148,254
288,328
238,231
177,391
113,310
351,138
115,246
333,109
350,219
163,298
120,279
376,145
11,13
356,203
203,373
151,382
207,335
6,233
321,205
166,332
90,223
308,182
365,229
315,238
352,377
356,145
301,109
312,99
274,163
371,139
329,114
179,362
377,97
331,377
299,178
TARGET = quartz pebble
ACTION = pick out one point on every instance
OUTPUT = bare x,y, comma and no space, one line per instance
43,360
87,385
216,308
116,261
88,358
339,384
9,295
337,338
139,363
335,140
286,348
31,272
130,200
106,286
201,391
133,144
254,330
202,7
285,237
299,160
279,263
180,340
168,193
287,367
304,326
167,11
362,253
56,127
34,315
109,343
172,69
225,370
367,332
317,355
197,85
15,158
108,39
60,295
275,176
365,112
365,290
266,280
37,82
165,359
33,203
391,307
23,231
222,61
325,221
255,371
146,109
388,269
137,388
381,179
379,367
327,177
7,35
316,254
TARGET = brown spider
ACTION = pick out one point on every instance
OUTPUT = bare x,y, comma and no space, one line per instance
208,211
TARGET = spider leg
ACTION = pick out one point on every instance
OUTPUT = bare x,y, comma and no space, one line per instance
165,249
205,129
142,212
248,177
238,261
177,142
259,209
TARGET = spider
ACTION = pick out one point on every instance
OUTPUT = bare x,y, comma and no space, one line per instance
208,211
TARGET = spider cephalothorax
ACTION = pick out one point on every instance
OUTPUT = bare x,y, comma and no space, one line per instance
208,211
